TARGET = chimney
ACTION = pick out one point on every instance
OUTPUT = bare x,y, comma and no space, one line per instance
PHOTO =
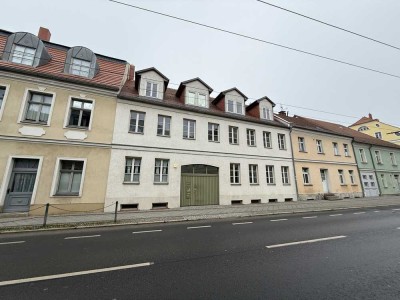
282,113
44,34
370,116
131,72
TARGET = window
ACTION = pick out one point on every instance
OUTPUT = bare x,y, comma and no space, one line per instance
378,135
341,177
306,175
346,150
233,135
320,149
253,174
80,113
132,169
267,139
335,149
189,129
363,156
285,175
164,125
281,141
269,170
266,113
151,89
235,107
251,137
393,159
161,171
351,175
302,144
70,177
384,182
363,128
38,107
213,132
137,122
378,157
80,67
198,99
23,55
235,173
2,95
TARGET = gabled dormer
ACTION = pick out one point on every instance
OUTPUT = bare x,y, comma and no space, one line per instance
194,92
151,83
232,101
262,108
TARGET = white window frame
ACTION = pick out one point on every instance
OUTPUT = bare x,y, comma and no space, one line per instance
267,139
67,113
306,175
164,118
78,65
378,157
352,178
235,106
393,158
266,113
152,84
56,177
214,137
160,175
378,135
232,168
251,137
253,174
134,159
22,57
196,97
335,149
270,174
285,172
320,147
302,144
346,150
24,105
3,104
138,113
342,178
190,121
231,130
363,156
282,141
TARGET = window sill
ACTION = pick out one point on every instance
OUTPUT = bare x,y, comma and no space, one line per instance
272,184
165,136
284,149
77,128
267,147
354,184
234,144
189,139
252,184
67,195
343,184
25,122
307,184
286,184
364,162
214,141
130,183
322,153
303,151
236,184
133,132
337,155
161,183
251,145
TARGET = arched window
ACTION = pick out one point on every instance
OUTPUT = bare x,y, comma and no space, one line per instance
363,128
27,49
81,61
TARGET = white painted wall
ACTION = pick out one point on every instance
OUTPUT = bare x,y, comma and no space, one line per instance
152,77
180,152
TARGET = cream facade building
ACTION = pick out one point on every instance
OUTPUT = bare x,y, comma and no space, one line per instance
57,112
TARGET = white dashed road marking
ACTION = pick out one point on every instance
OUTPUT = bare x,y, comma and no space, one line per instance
80,273
277,220
396,209
306,242
359,213
9,243
81,237
198,227
242,223
147,231
335,215
312,217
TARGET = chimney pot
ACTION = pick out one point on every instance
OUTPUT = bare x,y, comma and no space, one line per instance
44,34
370,116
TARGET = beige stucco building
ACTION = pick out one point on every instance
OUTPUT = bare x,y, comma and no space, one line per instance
57,112
324,161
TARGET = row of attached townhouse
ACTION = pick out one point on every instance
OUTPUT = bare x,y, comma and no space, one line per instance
82,131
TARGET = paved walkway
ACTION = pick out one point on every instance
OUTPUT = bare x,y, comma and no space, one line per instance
197,213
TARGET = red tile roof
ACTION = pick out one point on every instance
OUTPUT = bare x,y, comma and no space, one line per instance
363,120
111,74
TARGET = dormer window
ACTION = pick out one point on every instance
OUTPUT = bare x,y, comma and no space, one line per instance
363,128
196,98
235,107
151,89
23,55
80,67
266,113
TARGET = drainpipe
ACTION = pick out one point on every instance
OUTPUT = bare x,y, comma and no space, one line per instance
376,174
358,169
294,167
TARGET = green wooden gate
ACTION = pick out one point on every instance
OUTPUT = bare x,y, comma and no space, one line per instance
199,185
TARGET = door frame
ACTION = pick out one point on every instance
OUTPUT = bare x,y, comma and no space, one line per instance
326,178
7,176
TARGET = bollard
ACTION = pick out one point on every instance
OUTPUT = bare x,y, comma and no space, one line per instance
116,212
46,212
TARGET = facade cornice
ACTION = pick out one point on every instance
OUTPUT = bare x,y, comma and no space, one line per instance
325,162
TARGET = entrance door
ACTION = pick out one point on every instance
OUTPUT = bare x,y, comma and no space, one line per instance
199,185
21,185
370,184
324,179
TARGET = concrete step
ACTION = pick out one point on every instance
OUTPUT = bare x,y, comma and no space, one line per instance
332,197
13,215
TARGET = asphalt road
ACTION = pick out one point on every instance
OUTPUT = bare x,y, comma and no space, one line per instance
347,254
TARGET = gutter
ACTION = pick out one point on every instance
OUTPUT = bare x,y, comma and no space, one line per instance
294,167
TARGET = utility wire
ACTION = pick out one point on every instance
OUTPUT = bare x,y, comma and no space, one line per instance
256,39
330,25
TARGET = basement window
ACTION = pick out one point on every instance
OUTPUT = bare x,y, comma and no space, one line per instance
255,201
161,205
288,199
133,206
235,202
273,200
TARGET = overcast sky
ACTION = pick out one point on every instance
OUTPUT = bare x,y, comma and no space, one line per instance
182,51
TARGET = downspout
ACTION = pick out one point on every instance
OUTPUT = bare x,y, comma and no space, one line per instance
358,168
294,167
376,174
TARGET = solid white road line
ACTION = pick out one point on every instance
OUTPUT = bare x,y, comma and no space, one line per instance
9,243
82,237
197,227
376,210
146,231
313,217
306,242
80,273
243,223
277,220
396,209
335,215
359,213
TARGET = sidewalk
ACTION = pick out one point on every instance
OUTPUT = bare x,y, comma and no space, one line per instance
191,213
